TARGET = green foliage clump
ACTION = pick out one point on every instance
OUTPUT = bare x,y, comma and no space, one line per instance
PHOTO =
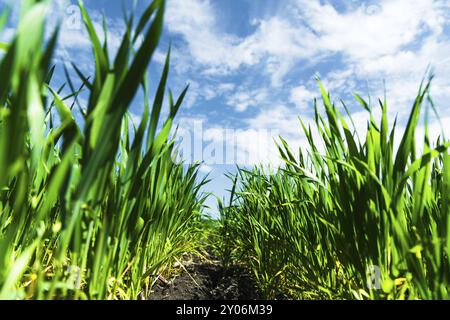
314,228
88,213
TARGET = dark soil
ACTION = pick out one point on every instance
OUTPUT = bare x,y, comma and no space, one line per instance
206,280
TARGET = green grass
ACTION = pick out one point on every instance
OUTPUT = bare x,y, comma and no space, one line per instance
89,213
92,209
312,228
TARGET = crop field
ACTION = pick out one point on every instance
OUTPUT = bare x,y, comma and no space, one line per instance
94,207
328,223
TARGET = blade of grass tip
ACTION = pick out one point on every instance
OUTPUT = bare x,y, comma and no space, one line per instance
4,18
347,111
123,54
331,115
145,18
124,10
49,109
139,137
46,58
433,107
75,93
49,76
233,190
66,117
174,109
407,142
101,61
83,78
68,78
426,134
99,113
105,32
362,102
170,100
134,76
75,96
384,126
422,162
57,186
157,104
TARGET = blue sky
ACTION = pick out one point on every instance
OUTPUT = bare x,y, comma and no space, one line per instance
251,64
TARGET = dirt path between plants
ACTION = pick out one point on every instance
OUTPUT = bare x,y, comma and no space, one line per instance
206,280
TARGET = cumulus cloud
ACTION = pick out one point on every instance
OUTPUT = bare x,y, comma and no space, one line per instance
302,97
244,98
392,40
195,20
276,42
387,39
362,45
368,34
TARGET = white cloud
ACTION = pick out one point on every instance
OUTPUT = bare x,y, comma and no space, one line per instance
363,34
199,92
193,94
282,121
225,87
195,21
373,39
279,118
276,42
282,44
212,91
245,98
302,97
73,33
394,42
